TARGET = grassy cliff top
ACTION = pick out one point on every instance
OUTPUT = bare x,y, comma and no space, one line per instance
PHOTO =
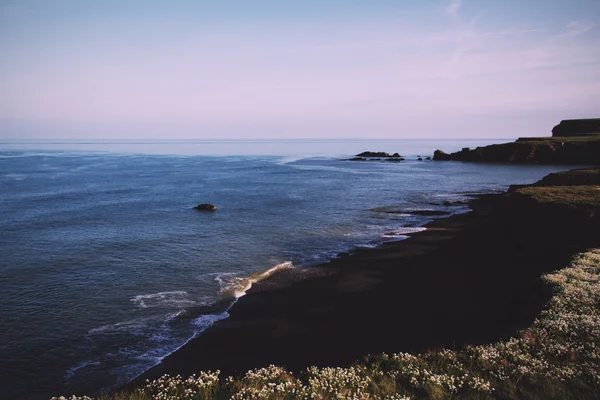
579,188
574,196
564,139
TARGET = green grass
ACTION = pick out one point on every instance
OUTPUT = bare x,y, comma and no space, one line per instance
574,177
581,196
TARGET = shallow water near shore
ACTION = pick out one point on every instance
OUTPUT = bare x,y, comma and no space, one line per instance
106,268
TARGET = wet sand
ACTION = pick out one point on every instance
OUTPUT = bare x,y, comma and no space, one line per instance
468,279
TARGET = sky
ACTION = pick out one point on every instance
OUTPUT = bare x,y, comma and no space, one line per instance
86,69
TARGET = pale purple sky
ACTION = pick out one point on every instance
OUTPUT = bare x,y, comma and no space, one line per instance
176,69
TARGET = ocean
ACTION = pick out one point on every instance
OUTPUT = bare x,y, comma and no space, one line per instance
105,267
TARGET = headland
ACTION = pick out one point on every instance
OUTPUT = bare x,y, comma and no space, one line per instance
572,142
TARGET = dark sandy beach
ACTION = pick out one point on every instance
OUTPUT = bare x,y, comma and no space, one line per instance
468,279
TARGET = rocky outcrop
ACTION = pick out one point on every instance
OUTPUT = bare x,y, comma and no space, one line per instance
374,154
205,207
576,127
541,151
440,155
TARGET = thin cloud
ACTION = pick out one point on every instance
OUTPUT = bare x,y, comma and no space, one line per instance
453,9
576,28
513,32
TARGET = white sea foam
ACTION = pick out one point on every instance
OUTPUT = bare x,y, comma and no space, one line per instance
71,371
15,177
172,299
367,245
236,286
403,231
134,326
204,322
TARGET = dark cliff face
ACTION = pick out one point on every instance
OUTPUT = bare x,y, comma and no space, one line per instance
543,152
576,127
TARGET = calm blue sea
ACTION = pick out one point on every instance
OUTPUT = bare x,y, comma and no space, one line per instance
105,267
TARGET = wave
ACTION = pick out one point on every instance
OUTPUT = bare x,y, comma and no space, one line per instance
71,371
14,176
178,298
232,285
402,232
136,327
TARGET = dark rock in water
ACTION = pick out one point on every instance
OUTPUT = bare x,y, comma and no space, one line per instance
205,207
419,159
428,158
439,155
394,159
448,203
428,213
373,154
357,159
396,155
425,213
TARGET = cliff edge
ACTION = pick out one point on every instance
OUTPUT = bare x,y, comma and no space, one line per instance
577,127
573,142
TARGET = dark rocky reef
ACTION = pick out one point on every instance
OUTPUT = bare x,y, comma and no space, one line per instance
576,127
205,207
394,159
531,151
376,156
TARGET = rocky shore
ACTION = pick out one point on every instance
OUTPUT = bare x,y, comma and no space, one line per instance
468,279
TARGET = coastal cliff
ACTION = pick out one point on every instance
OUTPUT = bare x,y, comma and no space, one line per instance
586,150
575,142
577,127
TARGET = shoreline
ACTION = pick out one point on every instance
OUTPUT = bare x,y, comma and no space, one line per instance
450,285
287,273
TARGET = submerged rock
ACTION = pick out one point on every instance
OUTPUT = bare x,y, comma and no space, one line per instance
428,213
206,207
